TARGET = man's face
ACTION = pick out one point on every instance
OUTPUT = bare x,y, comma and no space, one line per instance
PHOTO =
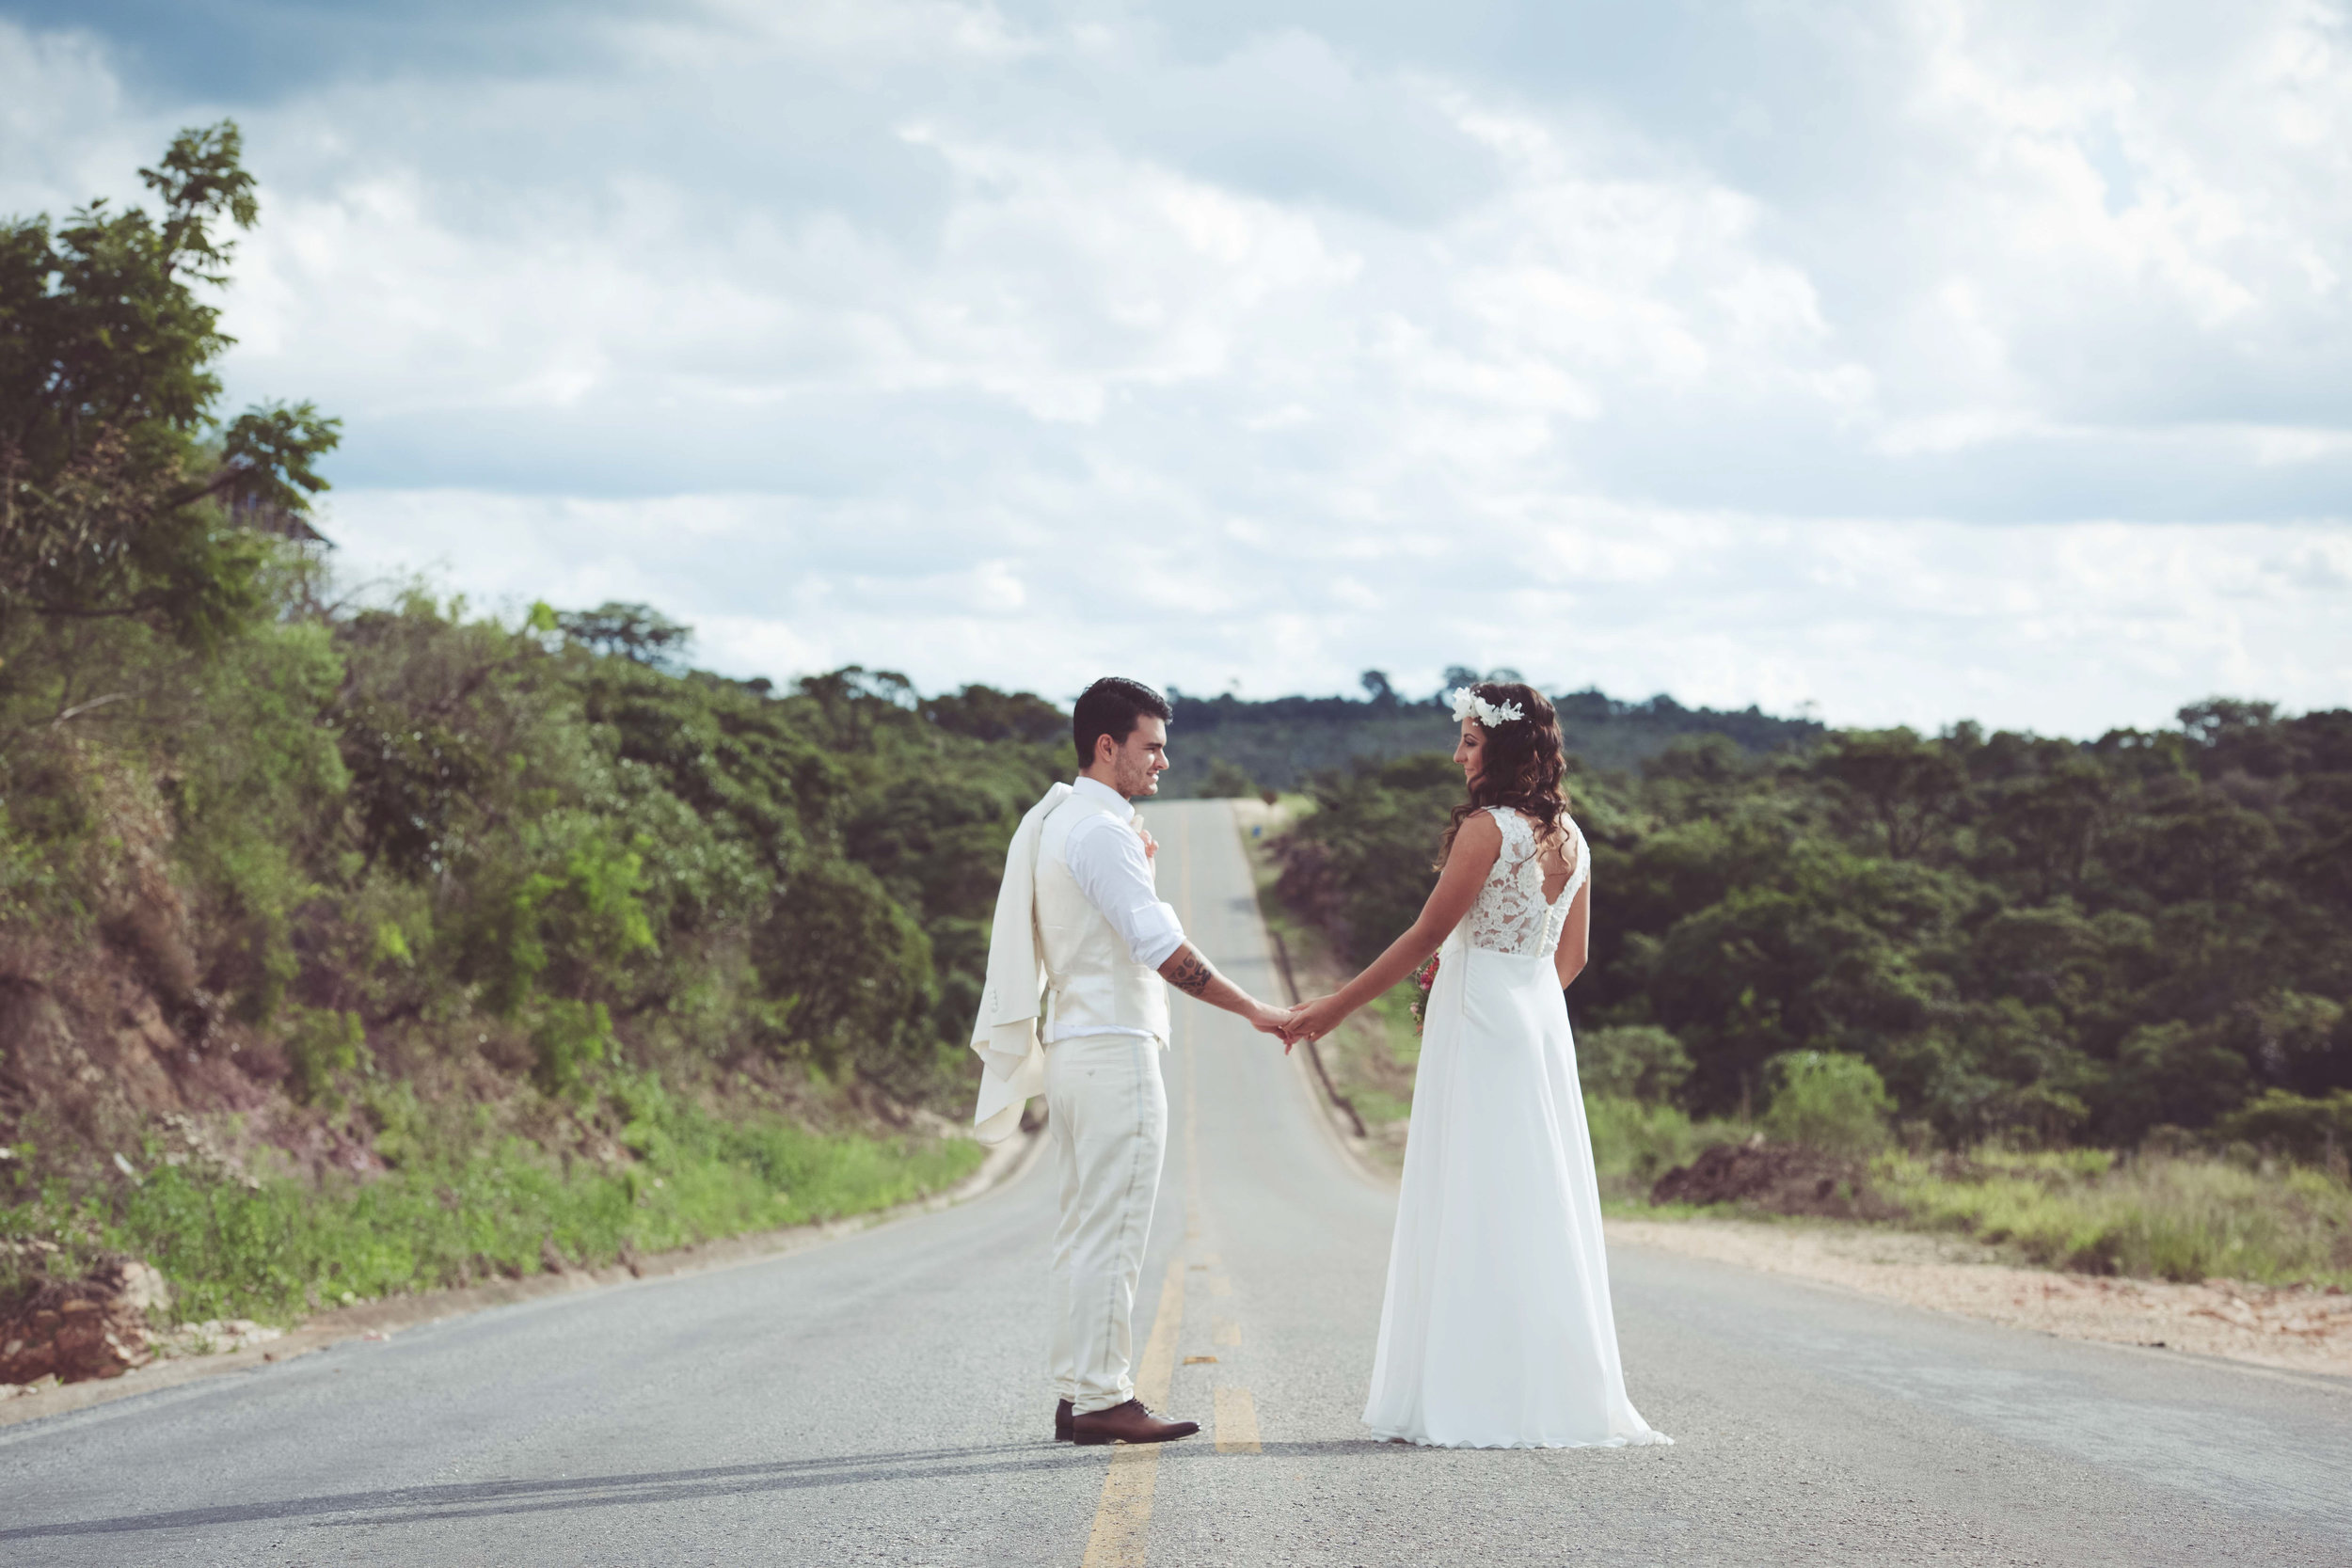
1139,760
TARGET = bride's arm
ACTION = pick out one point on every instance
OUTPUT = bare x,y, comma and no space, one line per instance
1576,936
1475,848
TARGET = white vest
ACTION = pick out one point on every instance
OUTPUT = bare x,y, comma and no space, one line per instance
1092,982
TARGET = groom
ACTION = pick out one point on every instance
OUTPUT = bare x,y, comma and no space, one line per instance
1079,919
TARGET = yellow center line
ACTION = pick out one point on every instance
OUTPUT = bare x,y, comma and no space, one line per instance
1192,1142
1123,1516
1126,1509
1236,1421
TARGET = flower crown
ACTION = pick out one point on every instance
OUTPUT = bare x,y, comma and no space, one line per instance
1468,704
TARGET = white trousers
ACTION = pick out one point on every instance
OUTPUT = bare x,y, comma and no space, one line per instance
1107,1111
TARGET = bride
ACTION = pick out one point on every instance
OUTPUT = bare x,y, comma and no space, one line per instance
1497,1331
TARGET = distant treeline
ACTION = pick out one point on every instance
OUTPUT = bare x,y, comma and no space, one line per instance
2032,939
1224,746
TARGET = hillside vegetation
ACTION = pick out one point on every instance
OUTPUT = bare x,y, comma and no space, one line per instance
349,947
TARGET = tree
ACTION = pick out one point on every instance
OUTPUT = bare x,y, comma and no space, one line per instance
1226,780
856,703
1906,785
2216,719
633,631
2054,821
985,713
120,495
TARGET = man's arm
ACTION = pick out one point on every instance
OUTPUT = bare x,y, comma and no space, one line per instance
1191,972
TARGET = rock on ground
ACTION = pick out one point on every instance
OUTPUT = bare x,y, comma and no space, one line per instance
95,1326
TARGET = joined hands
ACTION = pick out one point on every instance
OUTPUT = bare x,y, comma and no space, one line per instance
1275,1021
1309,1020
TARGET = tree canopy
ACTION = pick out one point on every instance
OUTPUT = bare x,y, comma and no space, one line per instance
2027,938
122,492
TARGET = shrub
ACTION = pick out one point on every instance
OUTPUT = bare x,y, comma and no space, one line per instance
1828,1101
1226,780
1641,1062
569,1038
2317,1130
321,1046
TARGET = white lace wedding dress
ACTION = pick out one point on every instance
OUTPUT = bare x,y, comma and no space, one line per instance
1497,1331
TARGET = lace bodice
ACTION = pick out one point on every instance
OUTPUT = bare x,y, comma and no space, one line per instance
1511,915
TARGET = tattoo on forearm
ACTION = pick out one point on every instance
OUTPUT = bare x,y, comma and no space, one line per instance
1192,973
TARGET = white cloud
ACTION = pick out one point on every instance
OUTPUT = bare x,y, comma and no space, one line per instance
1922,362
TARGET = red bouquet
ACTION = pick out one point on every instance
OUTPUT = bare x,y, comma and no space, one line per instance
1426,978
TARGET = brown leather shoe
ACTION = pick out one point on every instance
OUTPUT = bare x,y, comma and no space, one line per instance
1126,1423
1061,1421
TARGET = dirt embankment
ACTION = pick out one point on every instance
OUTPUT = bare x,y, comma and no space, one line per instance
1779,1178
115,1037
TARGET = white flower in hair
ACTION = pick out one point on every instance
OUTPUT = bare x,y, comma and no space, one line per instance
1468,704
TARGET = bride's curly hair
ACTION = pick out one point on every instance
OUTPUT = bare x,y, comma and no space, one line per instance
1521,764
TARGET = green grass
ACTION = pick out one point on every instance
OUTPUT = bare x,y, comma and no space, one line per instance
1378,1106
278,1249
2157,1216
2181,1218
1394,1010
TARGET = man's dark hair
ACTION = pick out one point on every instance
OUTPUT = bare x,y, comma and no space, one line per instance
1111,706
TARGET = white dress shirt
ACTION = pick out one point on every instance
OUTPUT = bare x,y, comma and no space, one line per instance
1105,857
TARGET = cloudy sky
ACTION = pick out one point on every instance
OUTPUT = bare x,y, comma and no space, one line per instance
1916,359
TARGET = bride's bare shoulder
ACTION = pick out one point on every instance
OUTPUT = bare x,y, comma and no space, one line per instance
1480,835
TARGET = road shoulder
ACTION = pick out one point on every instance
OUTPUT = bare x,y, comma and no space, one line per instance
2298,1330
379,1320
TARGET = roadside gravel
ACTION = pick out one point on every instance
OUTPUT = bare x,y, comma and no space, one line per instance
2296,1329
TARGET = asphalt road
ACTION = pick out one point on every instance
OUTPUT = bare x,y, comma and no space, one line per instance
881,1400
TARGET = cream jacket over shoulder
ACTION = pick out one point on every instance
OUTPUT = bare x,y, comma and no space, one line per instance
1013,1063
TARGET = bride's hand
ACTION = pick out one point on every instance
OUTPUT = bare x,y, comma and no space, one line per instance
1313,1019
